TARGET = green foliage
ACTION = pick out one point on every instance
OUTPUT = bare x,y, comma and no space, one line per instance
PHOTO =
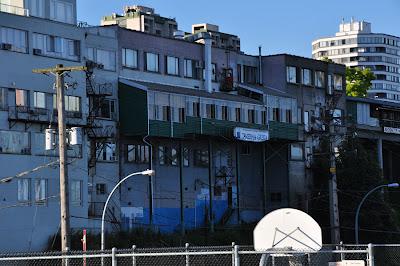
145,238
358,81
326,59
357,173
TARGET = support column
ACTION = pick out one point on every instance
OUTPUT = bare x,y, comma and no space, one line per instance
380,154
182,218
237,182
264,167
210,190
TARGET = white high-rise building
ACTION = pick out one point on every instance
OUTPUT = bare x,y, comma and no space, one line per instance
356,46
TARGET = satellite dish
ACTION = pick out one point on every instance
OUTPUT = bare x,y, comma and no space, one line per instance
287,229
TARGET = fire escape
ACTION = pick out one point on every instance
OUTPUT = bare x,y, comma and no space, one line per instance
98,134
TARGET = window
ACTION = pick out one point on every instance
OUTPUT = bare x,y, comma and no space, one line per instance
106,151
196,109
129,58
263,117
14,142
239,73
72,103
166,113
167,156
201,158
250,74
23,189
214,72
186,156
251,116
151,62
40,191
55,46
172,66
330,84
16,38
36,8
76,193
181,113
21,97
320,79
189,68
62,11
296,152
288,114
276,114
39,99
105,108
337,82
101,189
138,153
306,75
3,98
106,58
291,74
238,116
224,113
210,111
306,119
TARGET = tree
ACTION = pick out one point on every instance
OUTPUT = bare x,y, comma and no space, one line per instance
357,172
326,59
358,81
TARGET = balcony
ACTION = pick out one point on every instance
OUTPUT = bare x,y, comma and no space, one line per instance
14,10
32,115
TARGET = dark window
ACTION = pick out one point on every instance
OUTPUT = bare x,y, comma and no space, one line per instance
196,109
238,114
210,111
201,158
101,189
224,112
251,114
138,153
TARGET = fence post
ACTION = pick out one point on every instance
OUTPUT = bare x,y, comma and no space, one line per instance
113,258
66,253
233,253
371,259
342,254
133,255
236,252
187,255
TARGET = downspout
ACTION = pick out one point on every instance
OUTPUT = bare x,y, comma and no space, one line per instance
151,183
260,79
207,62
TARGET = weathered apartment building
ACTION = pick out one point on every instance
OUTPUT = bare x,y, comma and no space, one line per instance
186,107
41,34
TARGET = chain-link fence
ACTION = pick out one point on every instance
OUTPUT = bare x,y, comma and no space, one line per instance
334,255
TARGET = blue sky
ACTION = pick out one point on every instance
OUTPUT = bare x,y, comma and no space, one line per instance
280,26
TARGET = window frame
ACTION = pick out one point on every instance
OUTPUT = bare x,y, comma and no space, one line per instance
167,70
135,58
147,59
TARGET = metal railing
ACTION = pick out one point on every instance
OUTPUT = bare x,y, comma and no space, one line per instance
16,10
370,255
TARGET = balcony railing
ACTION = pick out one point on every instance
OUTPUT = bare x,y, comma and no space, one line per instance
16,10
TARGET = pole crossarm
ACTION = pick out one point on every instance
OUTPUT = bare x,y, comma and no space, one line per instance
59,69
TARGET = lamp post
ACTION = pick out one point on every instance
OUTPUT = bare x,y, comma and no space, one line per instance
391,185
147,172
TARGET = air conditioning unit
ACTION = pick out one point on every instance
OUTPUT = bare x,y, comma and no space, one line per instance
6,46
100,66
37,51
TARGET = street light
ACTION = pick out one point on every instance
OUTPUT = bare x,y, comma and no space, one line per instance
147,172
391,185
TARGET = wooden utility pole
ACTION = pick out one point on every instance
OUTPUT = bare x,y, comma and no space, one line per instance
333,197
59,72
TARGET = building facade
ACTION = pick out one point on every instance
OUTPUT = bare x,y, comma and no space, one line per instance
355,45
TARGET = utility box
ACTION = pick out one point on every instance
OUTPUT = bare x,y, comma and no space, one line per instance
75,136
50,139
348,263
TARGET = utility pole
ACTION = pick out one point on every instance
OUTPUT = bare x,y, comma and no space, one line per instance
333,197
59,72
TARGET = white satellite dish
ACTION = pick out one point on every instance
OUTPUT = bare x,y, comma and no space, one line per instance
287,229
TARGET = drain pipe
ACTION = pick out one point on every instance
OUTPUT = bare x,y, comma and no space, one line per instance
260,79
207,62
